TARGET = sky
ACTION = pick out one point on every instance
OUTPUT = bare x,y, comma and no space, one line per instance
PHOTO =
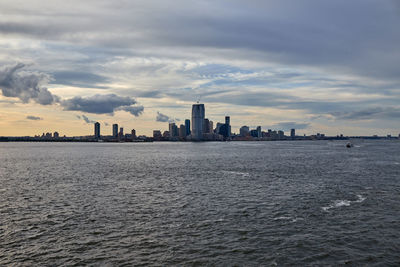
318,66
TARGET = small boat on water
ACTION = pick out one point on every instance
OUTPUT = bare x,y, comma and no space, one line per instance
349,145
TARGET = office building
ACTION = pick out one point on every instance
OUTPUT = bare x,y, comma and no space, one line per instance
198,115
173,130
157,135
115,130
244,131
206,126
133,134
187,126
182,131
97,130
292,133
259,135
228,125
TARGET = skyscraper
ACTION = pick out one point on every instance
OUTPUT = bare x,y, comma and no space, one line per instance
292,133
187,126
206,126
259,135
97,130
115,130
228,125
198,114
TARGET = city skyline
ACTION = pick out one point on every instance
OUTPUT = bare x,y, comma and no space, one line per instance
315,66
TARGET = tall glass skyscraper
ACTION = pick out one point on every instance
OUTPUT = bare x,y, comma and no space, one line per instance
187,126
115,130
97,130
198,115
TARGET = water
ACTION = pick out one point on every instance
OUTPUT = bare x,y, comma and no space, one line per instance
235,203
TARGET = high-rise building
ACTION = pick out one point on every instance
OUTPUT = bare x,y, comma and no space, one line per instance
259,135
228,125
206,126
244,131
198,115
211,125
133,134
187,126
182,131
173,130
97,130
115,130
292,133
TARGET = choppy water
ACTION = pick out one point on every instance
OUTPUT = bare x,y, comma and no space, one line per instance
243,203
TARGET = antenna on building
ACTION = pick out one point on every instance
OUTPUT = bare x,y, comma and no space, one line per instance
198,99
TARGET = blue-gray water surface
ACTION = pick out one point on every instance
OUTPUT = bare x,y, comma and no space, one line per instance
233,203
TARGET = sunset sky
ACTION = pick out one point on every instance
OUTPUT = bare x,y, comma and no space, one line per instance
317,66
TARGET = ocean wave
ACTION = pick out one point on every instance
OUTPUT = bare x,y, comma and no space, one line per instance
344,203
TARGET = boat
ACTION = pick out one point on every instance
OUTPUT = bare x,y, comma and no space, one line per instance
348,145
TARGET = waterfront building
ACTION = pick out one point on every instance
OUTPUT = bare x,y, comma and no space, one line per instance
97,130
133,134
157,135
281,134
206,126
244,130
292,133
187,126
173,130
211,125
254,133
218,127
198,115
182,131
115,130
165,134
259,135
56,135
228,125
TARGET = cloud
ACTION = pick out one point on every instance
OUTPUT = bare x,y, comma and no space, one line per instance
79,79
368,114
34,118
98,104
25,85
134,110
286,126
87,120
162,117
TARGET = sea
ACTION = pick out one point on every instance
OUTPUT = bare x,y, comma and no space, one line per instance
286,203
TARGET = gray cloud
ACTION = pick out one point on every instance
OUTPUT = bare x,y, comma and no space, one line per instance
134,110
286,126
98,104
25,85
34,118
368,114
79,79
87,120
162,117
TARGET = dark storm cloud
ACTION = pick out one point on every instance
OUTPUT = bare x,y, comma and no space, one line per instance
34,118
25,85
98,104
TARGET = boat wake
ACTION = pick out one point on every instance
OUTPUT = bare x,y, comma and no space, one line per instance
344,203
